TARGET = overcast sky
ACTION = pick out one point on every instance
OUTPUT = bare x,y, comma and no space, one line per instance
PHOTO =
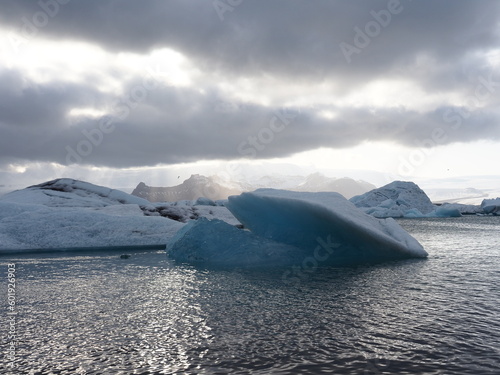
138,88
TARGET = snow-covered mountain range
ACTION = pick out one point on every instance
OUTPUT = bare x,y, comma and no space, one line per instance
194,187
215,188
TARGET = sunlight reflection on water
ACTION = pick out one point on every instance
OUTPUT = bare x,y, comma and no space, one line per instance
95,313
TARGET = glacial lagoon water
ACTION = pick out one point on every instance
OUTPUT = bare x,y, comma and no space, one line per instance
96,313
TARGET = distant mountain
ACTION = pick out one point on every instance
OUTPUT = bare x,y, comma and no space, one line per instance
194,187
214,188
274,182
348,187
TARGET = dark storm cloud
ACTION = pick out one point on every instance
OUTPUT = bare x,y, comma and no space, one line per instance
173,125
437,44
25,104
292,37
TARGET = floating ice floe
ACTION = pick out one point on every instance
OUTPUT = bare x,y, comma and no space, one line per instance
287,227
66,192
463,209
68,213
401,199
491,206
217,243
25,227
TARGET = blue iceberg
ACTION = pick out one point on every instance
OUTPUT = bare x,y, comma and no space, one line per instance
285,227
217,243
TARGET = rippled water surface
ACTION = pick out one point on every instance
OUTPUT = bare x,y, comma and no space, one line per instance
95,313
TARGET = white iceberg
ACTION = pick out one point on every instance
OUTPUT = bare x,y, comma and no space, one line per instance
402,199
397,199
287,227
67,213
53,228
66,192
491,206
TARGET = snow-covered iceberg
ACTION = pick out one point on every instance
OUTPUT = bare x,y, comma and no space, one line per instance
402,199
397,199
68,213
66,192
39,227
491,206
290,227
